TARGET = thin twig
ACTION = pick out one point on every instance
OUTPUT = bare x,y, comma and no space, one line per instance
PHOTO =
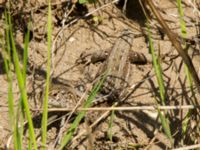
188,147
124,108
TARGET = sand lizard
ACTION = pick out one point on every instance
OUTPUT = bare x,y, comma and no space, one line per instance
117,64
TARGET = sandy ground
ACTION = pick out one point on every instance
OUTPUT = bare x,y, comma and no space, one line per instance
132,129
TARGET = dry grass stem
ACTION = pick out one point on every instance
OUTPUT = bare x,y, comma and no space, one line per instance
124,108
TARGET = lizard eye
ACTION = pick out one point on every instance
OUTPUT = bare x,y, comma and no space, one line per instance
54,94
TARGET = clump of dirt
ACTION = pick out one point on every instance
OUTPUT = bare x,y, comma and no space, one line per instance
76,33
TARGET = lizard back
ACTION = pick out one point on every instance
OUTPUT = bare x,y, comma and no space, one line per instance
117,65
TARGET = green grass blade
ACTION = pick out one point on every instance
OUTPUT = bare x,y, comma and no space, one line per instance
165,125
80,116
21,84
157,68
158,71
20,113
188,74
182,22
184,36
25,57
7,64
17,131
87,1
45,101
